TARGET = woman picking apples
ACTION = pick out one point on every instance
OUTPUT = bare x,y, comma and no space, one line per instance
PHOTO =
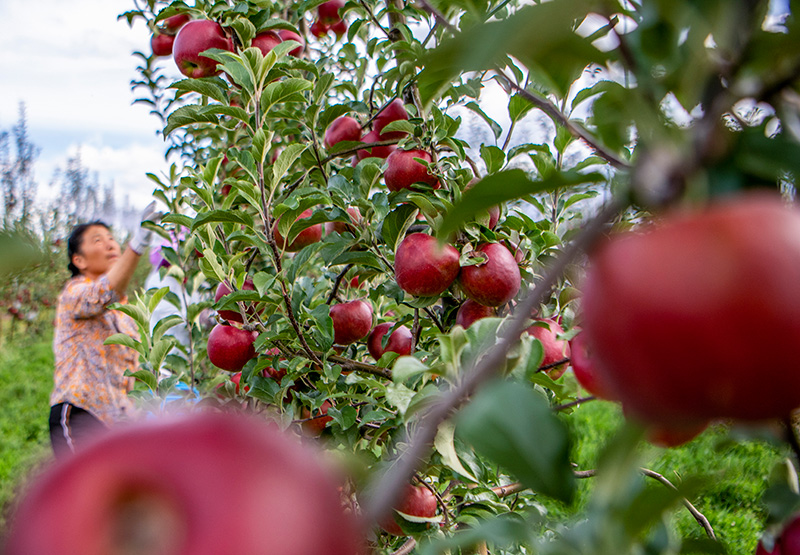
91,391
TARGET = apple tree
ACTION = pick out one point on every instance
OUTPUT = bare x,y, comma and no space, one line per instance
391,268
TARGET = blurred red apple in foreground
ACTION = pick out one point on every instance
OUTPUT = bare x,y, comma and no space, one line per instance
698,318
201,485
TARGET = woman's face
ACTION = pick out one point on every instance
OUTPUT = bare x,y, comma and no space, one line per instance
97,253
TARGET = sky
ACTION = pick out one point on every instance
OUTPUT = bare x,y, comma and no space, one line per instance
71,64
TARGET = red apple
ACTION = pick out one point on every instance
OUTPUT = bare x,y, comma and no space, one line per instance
200,484
417,501
351,321
329,11
399,342
376,151
585,372
339,28
230,348
319,29
394,111
343,128
470,311
161,44
236,379
194,38
266,41
555,349
224,289
424,268
175,22
314,426
306,237
286,34
495,281
699,318
403,171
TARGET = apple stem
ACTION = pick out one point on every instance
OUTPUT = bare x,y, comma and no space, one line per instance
388,484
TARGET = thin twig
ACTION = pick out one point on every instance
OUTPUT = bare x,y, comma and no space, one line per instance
698,516
576,402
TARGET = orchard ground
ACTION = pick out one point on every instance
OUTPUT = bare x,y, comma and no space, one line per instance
731,501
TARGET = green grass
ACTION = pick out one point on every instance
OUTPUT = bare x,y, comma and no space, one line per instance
738,474
26,378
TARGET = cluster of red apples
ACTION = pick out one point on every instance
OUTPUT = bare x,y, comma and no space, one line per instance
186,40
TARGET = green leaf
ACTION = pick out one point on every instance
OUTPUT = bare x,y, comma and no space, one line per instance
288,90
512,425
494,157
125,340
496,128
212,87
445,445
188,115
165,324
322,331
394,226
361,258
146,377
518,107
156,298
502,187
407,367
159,352
541,36
180,219
287,157
223,216
136,312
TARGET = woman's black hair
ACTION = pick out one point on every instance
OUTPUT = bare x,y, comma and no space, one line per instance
74,242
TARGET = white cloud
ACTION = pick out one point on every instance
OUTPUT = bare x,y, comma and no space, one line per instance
71,64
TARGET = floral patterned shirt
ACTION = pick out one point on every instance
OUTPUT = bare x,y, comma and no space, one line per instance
88,374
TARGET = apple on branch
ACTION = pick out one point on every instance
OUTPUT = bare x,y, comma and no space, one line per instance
416,501
400,341
496,280
403,170
424,268
351,321
547,331
343,128
229,347
196,37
